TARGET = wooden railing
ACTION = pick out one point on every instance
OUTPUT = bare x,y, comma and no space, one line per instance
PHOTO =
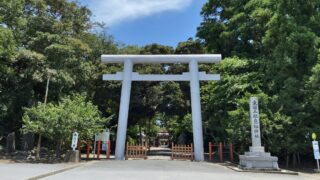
182,152
220,149
136,151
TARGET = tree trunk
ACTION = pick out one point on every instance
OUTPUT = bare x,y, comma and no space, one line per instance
299,160
38,148
149,132
140,135
287,159
294,160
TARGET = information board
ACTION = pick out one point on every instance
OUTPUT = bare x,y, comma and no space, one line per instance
315,146
74,140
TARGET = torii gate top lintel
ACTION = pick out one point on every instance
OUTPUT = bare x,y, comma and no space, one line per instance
147,59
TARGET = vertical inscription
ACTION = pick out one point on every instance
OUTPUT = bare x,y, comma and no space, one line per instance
255,121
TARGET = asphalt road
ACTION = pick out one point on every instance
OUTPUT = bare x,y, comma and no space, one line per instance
163,170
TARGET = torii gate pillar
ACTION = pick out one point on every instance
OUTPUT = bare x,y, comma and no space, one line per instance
196,111
194,76
124,110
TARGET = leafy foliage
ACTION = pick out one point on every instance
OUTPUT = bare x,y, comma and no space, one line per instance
282,37
58,122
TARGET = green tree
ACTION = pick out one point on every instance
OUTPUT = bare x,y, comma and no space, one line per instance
235,27
7,53
313,105
283,37
37,36
190,47
58,122
223,96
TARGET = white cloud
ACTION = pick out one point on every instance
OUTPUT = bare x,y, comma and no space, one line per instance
113,12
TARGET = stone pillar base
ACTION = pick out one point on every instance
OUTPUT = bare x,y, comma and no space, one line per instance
72,156
258,160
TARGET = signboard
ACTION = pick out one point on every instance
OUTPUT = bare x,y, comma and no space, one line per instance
74,140
255,122
316,149
104,136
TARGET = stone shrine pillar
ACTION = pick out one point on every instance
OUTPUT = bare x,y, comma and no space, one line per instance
257,158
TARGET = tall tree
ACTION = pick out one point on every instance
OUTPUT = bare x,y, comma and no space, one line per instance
283,36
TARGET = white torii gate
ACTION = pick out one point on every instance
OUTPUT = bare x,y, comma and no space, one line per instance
194,76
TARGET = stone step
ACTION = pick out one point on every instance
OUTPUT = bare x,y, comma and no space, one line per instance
159,153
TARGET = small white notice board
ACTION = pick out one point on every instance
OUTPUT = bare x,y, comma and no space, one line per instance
74,140
315,145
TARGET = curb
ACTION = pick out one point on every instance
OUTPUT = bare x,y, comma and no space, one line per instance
55,172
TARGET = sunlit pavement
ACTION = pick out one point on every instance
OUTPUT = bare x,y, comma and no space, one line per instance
164,169
17,171
135,169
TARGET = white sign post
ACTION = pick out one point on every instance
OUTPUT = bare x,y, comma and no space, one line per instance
74,141
315,146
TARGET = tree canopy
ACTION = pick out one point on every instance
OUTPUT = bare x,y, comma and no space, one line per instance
282,38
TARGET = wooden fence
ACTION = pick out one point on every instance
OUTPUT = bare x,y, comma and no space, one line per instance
182,152
220,150
136,151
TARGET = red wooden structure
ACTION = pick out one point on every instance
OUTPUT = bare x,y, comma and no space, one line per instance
88,145
220,149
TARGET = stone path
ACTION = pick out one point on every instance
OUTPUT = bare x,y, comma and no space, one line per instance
17,171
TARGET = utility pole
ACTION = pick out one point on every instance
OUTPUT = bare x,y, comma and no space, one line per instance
47,89
45,103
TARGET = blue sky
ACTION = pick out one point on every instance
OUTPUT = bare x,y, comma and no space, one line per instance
141,22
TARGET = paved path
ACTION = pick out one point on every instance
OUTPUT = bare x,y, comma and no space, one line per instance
17,171
163,170
135,169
